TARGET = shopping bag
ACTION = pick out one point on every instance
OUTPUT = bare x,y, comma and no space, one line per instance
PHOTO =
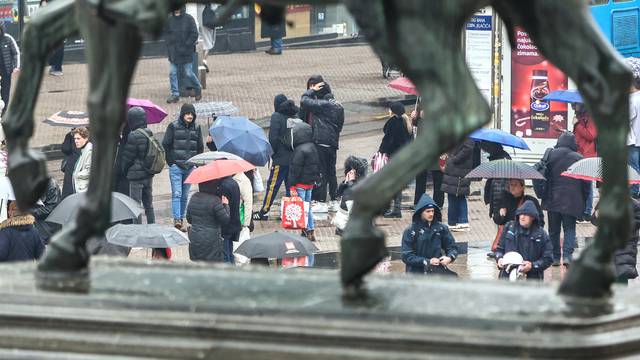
244,236
294,213
378,161
340,219
258,185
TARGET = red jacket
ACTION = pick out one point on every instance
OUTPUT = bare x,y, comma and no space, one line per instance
586,135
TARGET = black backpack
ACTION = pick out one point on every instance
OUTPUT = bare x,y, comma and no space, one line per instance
542,187
208,17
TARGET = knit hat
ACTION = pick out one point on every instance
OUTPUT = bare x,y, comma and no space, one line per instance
397,108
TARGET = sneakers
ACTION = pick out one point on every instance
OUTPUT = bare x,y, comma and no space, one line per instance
334,205
460,227
584,220
55,73
311,235
392,214
273,51
206,66
319,207
173,99
556,263
259,216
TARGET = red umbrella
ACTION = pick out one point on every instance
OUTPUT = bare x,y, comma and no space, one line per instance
405,85
155,114
217,170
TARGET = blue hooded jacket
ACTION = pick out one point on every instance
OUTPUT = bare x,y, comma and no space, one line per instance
533,243
422,240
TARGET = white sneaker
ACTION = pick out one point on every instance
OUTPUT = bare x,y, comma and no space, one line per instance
334,205
319,207
461,227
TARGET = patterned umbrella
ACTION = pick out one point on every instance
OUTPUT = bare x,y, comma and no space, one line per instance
504,169
591,169
205,110
68,118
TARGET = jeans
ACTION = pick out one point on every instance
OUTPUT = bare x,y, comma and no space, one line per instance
457,211
276,43
328,162
634,162
277,175
179,190
187,70
227,251
55,60
142,192
568,224
588,207
305,195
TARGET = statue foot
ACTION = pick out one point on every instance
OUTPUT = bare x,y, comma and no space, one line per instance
363,247
63,268
586,288
28,175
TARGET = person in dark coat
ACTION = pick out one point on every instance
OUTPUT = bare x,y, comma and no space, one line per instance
275,31
527,237
396,135
181,35
304,171
494,189
19,239
427,244
71,155
182,141
434,170
50,199
9,64
282,153
326,117
122,183
207,213
567,197
625,259
134,157
231,230
355,169
458,164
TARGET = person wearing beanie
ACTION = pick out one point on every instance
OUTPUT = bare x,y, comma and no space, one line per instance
397,134
182,140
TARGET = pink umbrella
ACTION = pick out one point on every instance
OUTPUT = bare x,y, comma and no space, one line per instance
405,85
155,113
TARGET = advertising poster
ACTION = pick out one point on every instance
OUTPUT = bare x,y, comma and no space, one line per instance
532,78
479,51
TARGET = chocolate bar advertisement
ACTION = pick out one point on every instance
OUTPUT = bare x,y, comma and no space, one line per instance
532,78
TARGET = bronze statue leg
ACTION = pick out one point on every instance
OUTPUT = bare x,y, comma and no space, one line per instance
112,51
603,81
453,107
45,32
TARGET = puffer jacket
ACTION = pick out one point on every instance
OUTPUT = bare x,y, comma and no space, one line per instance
71,156
134,151
568,196
326,118
50,199
9,51
182,141
512,203
230,188
207,215
494,189
19,240
305,164
284,109
422,241
533,243
181,34
395,136
459,163
82,170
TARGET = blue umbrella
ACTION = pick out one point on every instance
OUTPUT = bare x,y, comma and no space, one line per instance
566,96
239,136
500,137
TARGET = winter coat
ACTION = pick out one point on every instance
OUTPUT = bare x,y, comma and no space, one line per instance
345,188
326,118
50,199
533,243
273,30
229,188
181,34
494,189
82,170
207,215
395,136
459,163
246,197
423,241
512,203
284,109
71,155
134,150
182,141
122,183
19,239
625,259
10,53
567,196
305,163
586,135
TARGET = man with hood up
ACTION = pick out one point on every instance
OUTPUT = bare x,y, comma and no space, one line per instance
284,109
134,153
427,245
181,35
527,237
182,140
9,63
567,197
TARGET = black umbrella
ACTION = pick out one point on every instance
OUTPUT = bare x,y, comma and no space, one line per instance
276,245
122,208
146,235
504,169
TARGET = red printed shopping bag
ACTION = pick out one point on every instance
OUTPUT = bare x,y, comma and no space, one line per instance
378,161
294,213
